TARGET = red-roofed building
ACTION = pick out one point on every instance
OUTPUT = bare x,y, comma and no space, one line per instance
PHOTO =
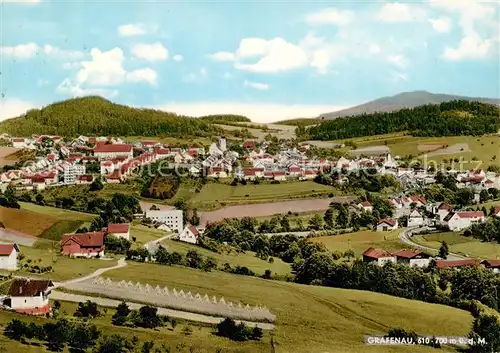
189,234
308,174
30,296
109,150
443,210
463,219
8,256
83,244
294,170
120,230
456,263
84,179
412,258
378,256
19,142
492,265
365,206
387,224
249,144
115,177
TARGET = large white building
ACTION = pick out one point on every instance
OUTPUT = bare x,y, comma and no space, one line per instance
173,218
72,171
104,150
8,256
464,219
30,296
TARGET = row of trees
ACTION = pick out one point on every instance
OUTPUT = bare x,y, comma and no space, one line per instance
489,231
8,198
446,119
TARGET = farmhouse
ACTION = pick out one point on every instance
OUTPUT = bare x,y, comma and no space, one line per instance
189,234
8,256
456,263
387,224
492,265
173,219
83,244
415,218
365,206
378,256
412,258
30,296
443,210
119,230
463,219
107,151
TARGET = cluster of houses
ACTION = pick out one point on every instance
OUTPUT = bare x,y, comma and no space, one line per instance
421,259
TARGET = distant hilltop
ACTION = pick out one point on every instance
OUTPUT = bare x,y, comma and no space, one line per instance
401,101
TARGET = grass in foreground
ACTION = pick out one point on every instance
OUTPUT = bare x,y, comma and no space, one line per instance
201,339
311,318
247,259
459,244
360,241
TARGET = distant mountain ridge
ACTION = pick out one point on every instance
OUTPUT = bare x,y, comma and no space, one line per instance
401,101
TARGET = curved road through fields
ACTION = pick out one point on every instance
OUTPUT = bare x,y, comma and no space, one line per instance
405,238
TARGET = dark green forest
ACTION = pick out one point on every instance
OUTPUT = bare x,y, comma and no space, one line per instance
446,119
98,116
224,118
298,122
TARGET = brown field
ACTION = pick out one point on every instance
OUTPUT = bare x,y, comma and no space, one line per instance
453,149
429,147
271,208
375,150
6,155
26,222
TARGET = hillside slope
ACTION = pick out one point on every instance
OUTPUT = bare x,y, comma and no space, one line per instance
401,101
98,116
446,119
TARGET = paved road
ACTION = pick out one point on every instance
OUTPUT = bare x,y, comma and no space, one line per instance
76,298
405,238
12,236
121,263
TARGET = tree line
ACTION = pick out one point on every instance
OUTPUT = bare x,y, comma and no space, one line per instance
96,116
446,119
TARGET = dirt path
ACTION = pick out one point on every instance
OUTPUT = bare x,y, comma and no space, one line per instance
12,236
271,208
77,298
121,263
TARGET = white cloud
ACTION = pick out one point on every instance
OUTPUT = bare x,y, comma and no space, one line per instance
150,52
178,57
29,50
398,12
222,56
256,85
136,29
398,60
67,87
21,51
399,76
12,107
41,82
330,16
470,47
264,113
27,2
441,24
197,76
143,75
374,49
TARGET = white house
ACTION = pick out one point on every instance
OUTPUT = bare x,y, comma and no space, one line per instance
105,150
378,256
415,218
189,234
443,210
365,206
30,296
464,219
19,142
8,256
120,230
173,218
387,224
412,258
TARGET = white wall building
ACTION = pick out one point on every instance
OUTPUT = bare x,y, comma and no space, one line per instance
386,225
189,234
173,219
464,219
378,256
30,295
72,171
8,256
415,219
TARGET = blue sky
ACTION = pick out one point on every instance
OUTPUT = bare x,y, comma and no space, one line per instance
267,60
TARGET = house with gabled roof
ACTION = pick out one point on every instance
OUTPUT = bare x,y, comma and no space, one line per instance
120,230
109,150
83,244
415,218
412,258
456,263
386,224
8,256
457,221
29,296
443,210
190,234
378,256
365,206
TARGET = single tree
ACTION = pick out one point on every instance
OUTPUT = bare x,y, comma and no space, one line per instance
443,250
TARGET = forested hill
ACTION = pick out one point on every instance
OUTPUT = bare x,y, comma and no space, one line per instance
98,116
225,118
445,119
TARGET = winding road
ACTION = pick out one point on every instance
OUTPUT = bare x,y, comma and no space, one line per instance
405,238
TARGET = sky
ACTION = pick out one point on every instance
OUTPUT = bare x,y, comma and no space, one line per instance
268,60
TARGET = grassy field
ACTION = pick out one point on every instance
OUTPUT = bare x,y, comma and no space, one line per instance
247,259
172,141
213,194
144,234
312,318
360,241
201,340
461,245
27,222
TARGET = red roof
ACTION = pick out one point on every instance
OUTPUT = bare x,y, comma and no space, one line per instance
407,254
29,287
294,169
376,253
474,179
417,198
455,263
444,206
86,177
17,140
92,239
118,228
470,214
249,144
278,174
491,263
389,221
6,249
365,203
149,143
112,148
193,230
